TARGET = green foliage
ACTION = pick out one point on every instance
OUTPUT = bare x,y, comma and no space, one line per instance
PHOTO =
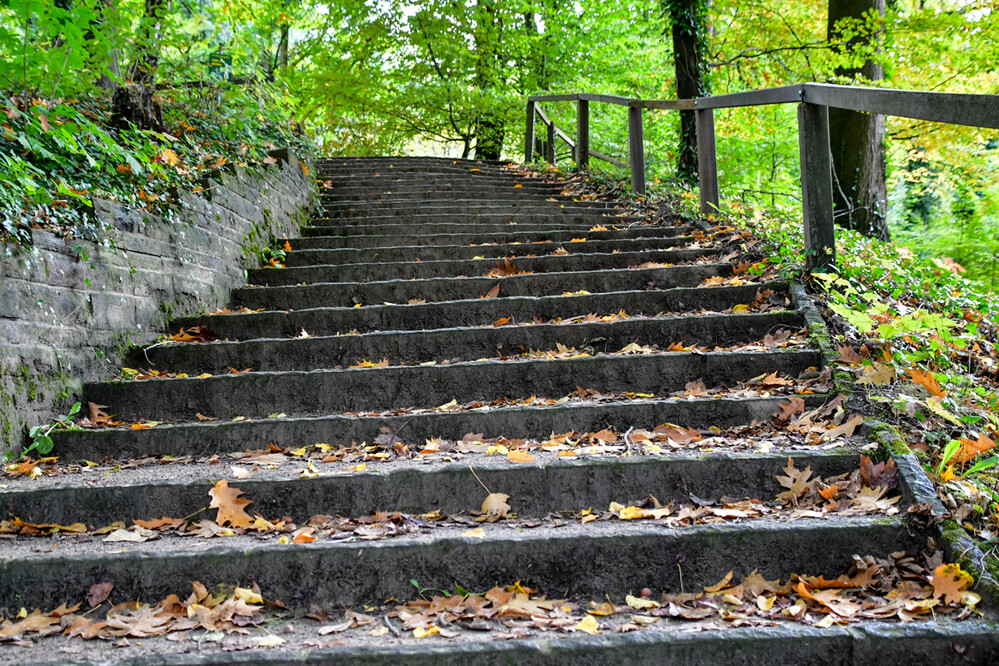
41,436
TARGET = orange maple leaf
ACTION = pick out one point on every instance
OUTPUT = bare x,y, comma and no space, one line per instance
971,448
926,379
949,581
232,507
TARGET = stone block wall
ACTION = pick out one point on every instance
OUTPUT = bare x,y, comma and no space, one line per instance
69,307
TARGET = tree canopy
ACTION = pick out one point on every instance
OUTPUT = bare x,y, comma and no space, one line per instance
387,76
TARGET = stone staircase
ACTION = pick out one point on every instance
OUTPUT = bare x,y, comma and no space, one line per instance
445,333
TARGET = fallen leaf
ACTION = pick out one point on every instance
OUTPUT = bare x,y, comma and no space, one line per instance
493,293
949,581
99,592
495,504
588,625
231,507
518,456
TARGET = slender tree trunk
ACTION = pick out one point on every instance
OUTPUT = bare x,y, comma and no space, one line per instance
134,102
860,191
490,128
688,28
282,50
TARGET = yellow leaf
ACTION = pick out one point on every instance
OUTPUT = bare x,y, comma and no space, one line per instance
360,468
420,632
477,533
765,603
639,603
588,625
604,609
631,513
518,456
169,157
740,309
248,595
496,504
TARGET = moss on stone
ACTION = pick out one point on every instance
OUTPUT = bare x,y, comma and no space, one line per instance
889,440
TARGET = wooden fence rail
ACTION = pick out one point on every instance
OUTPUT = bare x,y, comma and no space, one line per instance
813,100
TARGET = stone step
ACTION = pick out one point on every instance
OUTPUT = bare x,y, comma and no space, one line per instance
479,205
617,559
374,175
411,486
477,238
257,394
424,194
536,221
524,421
456,184
461,344
454,288
580,225
422,270
309,251
478,311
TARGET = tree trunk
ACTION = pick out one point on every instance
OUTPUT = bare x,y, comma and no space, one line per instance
860,190
282,50
134,103
490,128
688,26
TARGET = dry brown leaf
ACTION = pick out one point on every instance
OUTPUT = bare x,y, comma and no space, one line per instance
495,504
99,592
231,507
949,581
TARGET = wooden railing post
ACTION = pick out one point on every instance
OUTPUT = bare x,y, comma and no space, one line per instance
550,144
707,161
636,149
582,134
529,134
816,185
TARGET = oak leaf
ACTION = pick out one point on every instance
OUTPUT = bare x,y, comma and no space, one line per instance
797,482
231,507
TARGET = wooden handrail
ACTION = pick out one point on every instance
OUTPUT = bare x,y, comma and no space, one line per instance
814,101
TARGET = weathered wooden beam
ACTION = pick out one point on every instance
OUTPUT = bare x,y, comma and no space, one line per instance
582,134
550,144
636,150
554,98
707,160
529,132
781,95
953,108
816,185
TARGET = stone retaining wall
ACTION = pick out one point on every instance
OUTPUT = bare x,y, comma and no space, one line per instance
69,307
